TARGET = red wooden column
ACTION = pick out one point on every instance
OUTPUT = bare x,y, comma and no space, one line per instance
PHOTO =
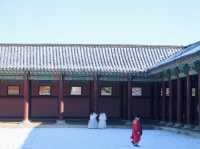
196,66
179,108
155,101
129,103
61,98
26,98
124,90
163,100
170,101
198,107
95,91
188,99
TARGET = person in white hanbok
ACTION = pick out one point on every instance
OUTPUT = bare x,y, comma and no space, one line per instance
92,121
102,121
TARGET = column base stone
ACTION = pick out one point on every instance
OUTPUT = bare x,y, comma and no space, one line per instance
60,122
162,122
197,128
128,122
187,126
178,125
169,124
26,123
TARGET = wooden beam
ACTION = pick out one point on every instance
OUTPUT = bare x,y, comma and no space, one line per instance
79,78
113,78
44,77
11,77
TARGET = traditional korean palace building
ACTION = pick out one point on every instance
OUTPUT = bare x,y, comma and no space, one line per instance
65,81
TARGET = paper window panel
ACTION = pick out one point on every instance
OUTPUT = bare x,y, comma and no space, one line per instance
76,90
106,91
45,90
136,91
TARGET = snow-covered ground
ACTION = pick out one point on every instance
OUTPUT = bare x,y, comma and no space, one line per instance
83,138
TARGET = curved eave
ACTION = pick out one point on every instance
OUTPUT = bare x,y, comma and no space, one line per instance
186,59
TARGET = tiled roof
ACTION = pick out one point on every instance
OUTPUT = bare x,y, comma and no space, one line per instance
187,51
72,58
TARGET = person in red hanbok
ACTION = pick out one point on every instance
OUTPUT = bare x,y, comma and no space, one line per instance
136,131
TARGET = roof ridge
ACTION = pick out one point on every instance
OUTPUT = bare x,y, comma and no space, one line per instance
90,45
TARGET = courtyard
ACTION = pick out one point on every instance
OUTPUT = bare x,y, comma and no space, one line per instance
83,138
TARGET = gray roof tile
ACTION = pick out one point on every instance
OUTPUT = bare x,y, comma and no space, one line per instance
82,58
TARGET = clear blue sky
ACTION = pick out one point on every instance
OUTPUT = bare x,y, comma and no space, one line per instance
102,21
